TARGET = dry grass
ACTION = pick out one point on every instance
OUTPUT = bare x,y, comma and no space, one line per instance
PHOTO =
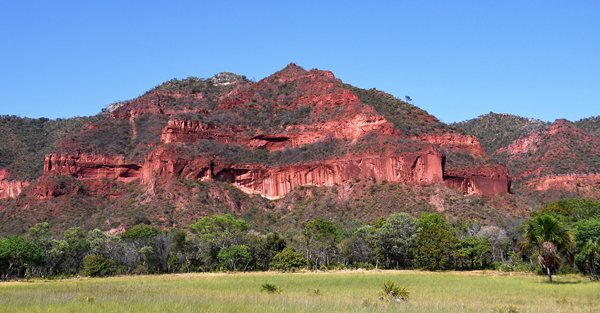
339,291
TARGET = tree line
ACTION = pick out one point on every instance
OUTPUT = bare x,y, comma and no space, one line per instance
562,237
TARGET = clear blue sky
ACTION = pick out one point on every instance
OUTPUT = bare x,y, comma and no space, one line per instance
456,59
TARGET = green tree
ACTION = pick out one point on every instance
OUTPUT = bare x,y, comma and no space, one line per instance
235,257
141,233
321,240
18,254
474,252
216,232
436,242
549,237
266,248
588,259
394,241
288,260
358,247
97,265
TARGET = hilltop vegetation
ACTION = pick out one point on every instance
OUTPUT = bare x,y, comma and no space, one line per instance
590,124
495,131
25,141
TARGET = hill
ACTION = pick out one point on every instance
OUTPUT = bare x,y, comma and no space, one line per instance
294,145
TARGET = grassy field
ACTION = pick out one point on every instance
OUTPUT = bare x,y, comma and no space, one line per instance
346,291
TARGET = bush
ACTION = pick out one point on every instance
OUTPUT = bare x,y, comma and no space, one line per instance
97,265
270,288
288,260
393,292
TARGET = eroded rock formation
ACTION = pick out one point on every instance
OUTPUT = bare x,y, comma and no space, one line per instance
10,188
484,180
86,166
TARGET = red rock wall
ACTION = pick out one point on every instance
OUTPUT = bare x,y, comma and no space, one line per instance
273,183
190,131
455,141
486,180
85,166
10,188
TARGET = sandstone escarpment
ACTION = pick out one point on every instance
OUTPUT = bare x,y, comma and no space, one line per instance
456,141
414,168
189,131
86,166
273,182
484,180
10,188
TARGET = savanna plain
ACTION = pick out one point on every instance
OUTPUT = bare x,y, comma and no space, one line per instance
336,291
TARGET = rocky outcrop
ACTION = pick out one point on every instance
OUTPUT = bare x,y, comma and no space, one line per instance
523,145
86,166
484,180
10,188
181,131
273,183
455,141
189,131
565,182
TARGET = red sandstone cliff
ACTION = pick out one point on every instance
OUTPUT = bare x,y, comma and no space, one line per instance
455,141
8,188
85,166
485,180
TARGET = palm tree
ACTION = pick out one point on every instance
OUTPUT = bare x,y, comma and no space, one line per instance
551,238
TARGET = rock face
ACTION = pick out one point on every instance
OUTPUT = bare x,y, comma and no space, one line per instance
273,183
10,189
456,141
189,131
85,166
486,180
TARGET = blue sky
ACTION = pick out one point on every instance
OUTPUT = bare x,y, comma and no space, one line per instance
456,59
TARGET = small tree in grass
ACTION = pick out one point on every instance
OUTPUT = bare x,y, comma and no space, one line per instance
97,265
288,260
234,257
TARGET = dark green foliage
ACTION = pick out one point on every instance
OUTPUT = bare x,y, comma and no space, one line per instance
436,243
97,265
235,257
17,255
474,253
321,240
141,232
288,260
574,209
267,248
588,259
395,241
270,288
